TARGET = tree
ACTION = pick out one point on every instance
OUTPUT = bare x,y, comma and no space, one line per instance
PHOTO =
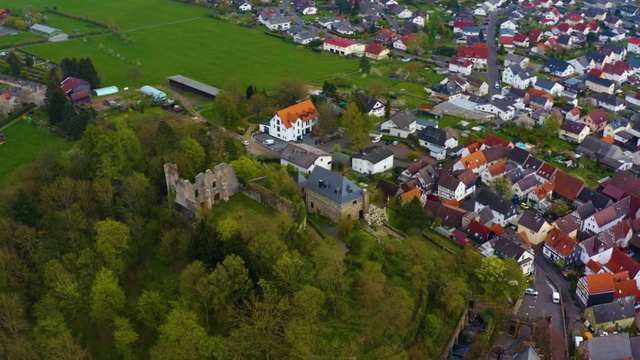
112,241
135,74
288,92
357,126
365,64
14,64
329,90
377,87
481,35
124,336
28,61
550,126
452,296
152,308
410,214
502,187
327,120
501,50
558,208
257,103
344,6
266,248
501,278
247,169
251,90
107,297
230,279
181,337
226,106
55,102
292,272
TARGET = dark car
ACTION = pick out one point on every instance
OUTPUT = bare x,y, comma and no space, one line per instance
388,142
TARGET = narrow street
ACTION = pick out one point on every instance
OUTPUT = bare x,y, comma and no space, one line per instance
493,75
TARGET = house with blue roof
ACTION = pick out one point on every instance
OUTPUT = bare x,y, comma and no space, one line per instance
333,196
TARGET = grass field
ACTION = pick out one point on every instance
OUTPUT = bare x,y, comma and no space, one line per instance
68,25
128,14
18,38
24,143
205,49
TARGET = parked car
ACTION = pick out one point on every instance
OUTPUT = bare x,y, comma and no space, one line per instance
245,142
269,142
376,139
531,291
388,142
395,143
555,297
525,206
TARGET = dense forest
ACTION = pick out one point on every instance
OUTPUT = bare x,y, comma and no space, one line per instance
95,264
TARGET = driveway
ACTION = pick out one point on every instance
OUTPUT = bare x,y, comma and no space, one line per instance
536,307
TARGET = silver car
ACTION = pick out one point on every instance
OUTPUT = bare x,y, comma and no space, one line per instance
531,291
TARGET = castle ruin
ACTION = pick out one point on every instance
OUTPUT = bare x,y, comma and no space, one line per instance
209,187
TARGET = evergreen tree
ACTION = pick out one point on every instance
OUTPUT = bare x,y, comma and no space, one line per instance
55,101
250,91
14,64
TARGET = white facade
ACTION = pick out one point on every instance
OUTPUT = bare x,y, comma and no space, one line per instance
322,161
461,68
347,49
634,45
420,20
590,224
366,167
514,79
276,23
506,115
293,133
555,90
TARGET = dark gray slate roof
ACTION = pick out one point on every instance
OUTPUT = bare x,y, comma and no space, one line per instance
598,200
586,210
531,221
369,103
403,119
545,83
496,203
333,186
302,155
574,127
433,135
518,155
508,249
532,163
617,310
374,154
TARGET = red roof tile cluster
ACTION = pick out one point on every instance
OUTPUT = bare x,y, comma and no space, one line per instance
340,42
622,262
567,186
561,242
473,52
600,283
304,111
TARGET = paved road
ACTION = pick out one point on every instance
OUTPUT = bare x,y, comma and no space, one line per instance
535,307
492,61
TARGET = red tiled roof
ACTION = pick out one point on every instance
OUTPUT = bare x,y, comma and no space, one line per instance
497,229
624,289
561,242
567,185
622,182
473,160
546,171
409,195
494,140
375,49
564,27
71,83
473,52
581,27
463,23
339,42
622,262
497,169
520,38
594,266
80,95
634,40
478,230
600,283
505,40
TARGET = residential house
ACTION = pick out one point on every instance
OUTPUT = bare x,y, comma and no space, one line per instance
567,187
458,25
568,224
558,67
535,226
478,54
372,160
614,316
420,18
573,131
533,164
493,172
305,7
573,114
560,248
540,198
401,124
617,72
376,52
461,66
582,64
477,86
372,106
595,289
521,40
305,157
524,186
293,122
598,84
451,216
519,156
334,196
633,45
501,108
244,5
612,346
516,76
503,210
607,217
343,28
343,46
479,232
600,58
437,141
73,85
401,11
455,187
545,173
596,120
615,126
550,87
509,24
597,199
404,42
628,10
540,102
505,248
609,102
475,162
535,36
277,22
597,248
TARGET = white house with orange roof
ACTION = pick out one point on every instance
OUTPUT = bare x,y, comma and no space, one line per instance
292,123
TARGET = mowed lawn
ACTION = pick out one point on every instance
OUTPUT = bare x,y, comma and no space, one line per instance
18,38
205,49
24,143
68,25
128,14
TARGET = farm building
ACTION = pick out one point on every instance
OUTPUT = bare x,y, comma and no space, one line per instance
195,87
109,90
153,92
45,30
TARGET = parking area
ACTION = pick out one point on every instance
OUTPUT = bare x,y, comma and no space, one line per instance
277,145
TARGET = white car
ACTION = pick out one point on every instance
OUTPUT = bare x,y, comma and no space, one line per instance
245,142
531,291
376,139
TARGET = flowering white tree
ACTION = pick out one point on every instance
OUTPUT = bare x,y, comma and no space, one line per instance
376,216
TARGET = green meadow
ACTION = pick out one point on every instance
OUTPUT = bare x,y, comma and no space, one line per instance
68,25
205,49
24,143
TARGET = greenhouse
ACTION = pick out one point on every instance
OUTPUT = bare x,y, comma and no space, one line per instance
109,90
